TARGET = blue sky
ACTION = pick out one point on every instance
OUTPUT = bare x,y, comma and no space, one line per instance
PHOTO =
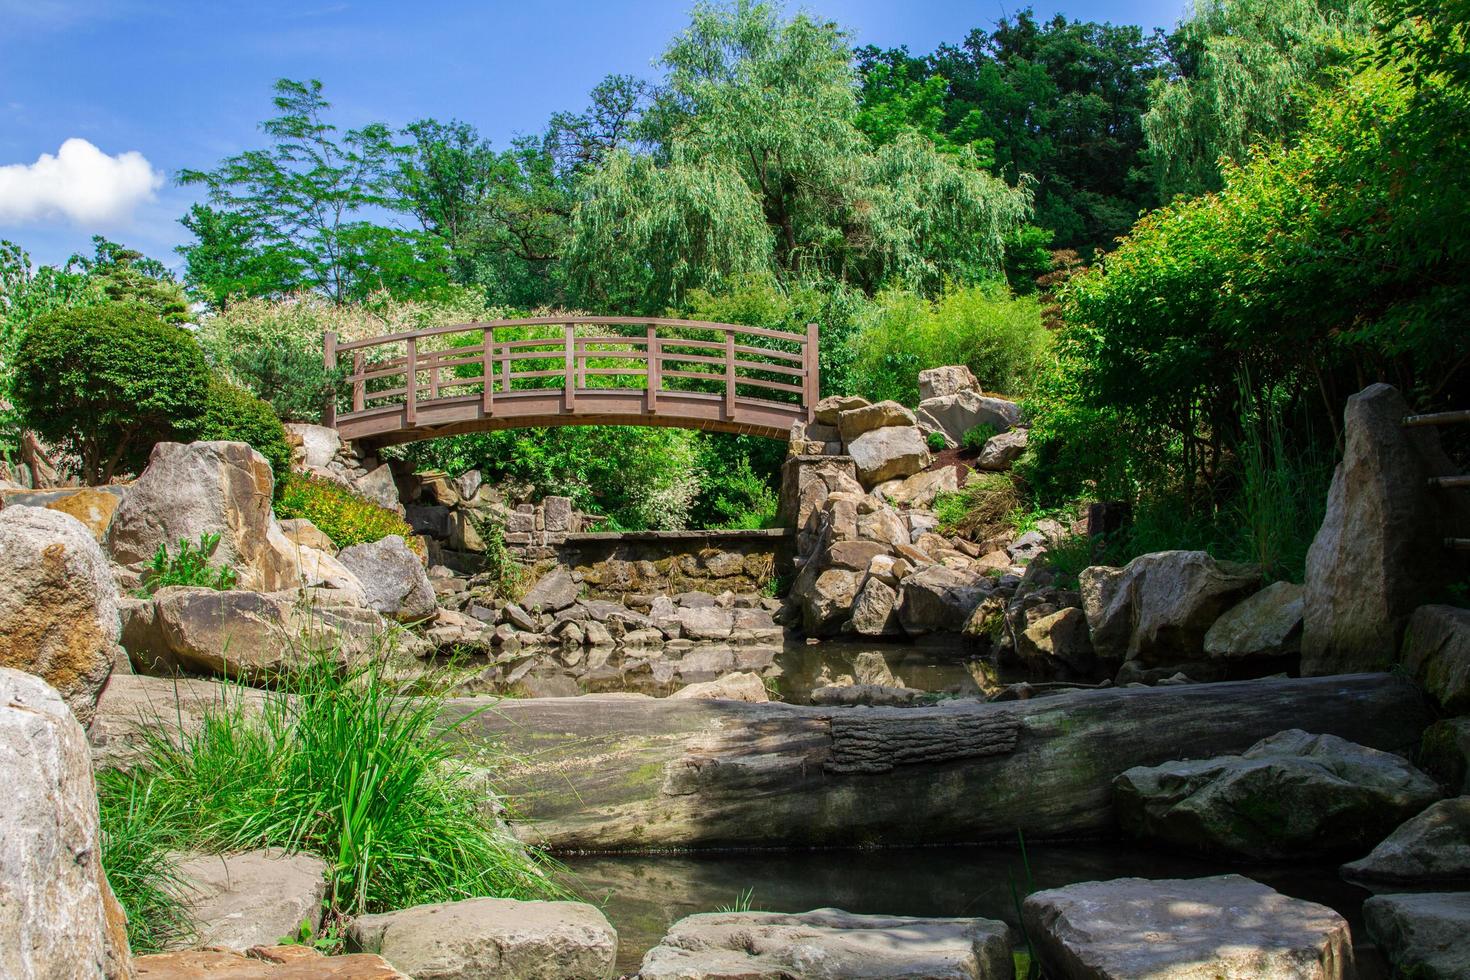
156,86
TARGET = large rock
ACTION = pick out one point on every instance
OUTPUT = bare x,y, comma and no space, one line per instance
393,579
321,569
58,917
1432,846
1266,624
1058,641
939,598
312,446
920,489
264,963
1437,653
304,534
875,610
888,453
58,604
219,488
951,379
739,686
1423,935
1158,607
255,898
378,485
256,636
93,506
828,409
956,414
826,603
1380,549
1000,451
854,422
1288,796
135,709
1444,753
492,937
554,592
1185,929
829,943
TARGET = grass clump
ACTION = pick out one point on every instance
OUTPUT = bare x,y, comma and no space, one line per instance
341,765
191,566
345,517
981,507
136,838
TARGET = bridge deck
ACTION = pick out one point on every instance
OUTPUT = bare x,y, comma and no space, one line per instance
548,371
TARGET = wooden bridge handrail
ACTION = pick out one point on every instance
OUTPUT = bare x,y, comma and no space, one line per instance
746,404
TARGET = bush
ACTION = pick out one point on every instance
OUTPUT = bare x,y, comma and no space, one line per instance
106,382
977,436
341,765
191,566
999,337
235,415
936,441
340,514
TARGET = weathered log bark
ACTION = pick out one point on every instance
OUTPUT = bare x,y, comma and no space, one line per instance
619,772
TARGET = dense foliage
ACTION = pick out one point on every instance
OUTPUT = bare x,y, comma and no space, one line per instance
343,516
232,414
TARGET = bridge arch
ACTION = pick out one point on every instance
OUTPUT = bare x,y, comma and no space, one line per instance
587,370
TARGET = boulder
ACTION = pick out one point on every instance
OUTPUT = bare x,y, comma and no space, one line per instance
1058,640
1436,652
875,610
826,600
319,569
58,604
1444,753
1001,451
1158,607
1183,929
705,622
58,916
468,484
379,486
855,421
939,598
1380,549
491,937
855,556
951,379
1423,935
920,489
828,409
254,898
956,414
1266,624
829,943
888,453
134,708
300,531
219,488
1288,796
93,506
312,446
739,686
264,963
555,591
393,579
1431,846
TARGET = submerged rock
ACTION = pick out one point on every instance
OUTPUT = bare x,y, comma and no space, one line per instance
829,943
1182,929
1432,846
1288,796
491,937
1423,935
739,686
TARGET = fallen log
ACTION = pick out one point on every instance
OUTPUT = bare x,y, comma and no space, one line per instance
619,772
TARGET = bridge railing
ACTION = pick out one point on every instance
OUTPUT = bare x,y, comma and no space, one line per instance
494,361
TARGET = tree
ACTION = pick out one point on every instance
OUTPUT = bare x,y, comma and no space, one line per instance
106,382
230,258
124,275
1246,70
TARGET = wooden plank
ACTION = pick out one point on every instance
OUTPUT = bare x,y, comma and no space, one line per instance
654,368
1450,482
1437,418
487,353
411,382
329,359
729,374
570,343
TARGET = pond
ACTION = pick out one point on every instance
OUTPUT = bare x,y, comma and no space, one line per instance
939,666
642,894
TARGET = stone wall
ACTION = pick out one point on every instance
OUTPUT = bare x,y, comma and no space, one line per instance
669,562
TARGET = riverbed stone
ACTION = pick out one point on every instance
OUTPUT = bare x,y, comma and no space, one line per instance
1266,624
1159,606
1288,796
492,937
555,591
888,453
739,686
393,579
1432,846
1423,935
939,598
1226,926
222,488
58,604
1436,652
829,943
58,916
254,898
875,610
949,379
263,963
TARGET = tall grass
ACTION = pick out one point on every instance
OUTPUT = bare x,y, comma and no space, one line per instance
341,765
135,846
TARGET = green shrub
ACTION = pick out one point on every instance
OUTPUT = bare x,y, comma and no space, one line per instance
191,566
936,441
233,414
977,436
984,505
342,765
106,382
345,517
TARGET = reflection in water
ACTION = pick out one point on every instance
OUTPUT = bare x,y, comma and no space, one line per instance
940,667
643,894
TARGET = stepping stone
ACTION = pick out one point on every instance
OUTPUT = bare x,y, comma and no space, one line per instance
1423,935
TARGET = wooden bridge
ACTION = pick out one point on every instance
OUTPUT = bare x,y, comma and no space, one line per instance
590,370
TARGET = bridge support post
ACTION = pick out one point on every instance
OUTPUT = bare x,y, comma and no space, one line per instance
652,369
729,373
487,358
812,381
570,390
411,382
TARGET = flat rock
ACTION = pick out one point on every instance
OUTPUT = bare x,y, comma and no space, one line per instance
855,421
393,579
1432,846
553,592
1288,796
871,695
920,489
939,598
828,409
1423,935
739,686
263,963
1436,652
1266,624
256,898
1225,926
492,937
829,943
888,453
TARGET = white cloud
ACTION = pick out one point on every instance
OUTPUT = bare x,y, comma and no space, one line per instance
80,183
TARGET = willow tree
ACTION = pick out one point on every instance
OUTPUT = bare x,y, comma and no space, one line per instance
757,164
1246,73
